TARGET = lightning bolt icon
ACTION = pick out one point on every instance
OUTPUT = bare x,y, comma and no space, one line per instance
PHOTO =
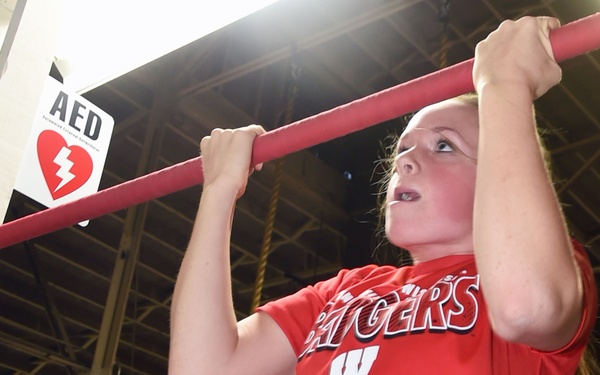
65,165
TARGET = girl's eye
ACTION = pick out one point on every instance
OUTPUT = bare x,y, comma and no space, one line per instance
401,149
444,146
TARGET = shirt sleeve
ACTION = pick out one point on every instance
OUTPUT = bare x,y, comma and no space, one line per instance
297,313
590,294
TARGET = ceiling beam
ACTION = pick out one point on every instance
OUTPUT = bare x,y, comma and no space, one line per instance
281,54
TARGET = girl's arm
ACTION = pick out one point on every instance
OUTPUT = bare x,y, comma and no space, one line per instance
523,251
205,337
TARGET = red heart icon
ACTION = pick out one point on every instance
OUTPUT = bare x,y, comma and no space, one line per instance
65,168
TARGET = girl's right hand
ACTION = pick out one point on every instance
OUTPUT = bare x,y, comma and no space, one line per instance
226,157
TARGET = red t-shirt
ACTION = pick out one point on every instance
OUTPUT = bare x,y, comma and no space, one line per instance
425,319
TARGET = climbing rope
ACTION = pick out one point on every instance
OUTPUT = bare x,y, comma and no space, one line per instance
443,18
268,235
266,244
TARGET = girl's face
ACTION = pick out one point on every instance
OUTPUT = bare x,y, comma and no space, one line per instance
429,201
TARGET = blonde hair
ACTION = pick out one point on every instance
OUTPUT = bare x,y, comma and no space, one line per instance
588,364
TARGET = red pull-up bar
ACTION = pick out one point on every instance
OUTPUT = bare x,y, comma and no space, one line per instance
568,41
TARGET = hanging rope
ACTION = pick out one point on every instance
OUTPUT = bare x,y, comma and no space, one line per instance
266,243
443,18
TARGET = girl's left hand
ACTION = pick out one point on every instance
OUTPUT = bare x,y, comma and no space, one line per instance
519,54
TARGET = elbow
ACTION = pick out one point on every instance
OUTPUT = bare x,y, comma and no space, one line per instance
512,323
542,323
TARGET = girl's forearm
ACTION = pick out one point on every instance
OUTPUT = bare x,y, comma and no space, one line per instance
203,323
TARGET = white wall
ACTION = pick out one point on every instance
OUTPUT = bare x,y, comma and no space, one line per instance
28,64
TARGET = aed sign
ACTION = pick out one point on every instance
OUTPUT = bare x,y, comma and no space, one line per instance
64,157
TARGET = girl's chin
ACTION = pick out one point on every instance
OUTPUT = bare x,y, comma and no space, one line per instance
400,241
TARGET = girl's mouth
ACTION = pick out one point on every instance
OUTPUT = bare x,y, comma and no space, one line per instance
405,195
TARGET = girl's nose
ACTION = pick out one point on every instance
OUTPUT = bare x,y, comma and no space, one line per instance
406,163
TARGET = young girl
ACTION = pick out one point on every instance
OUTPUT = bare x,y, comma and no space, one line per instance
497,286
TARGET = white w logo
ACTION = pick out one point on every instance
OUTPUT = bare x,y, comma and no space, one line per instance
355,362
